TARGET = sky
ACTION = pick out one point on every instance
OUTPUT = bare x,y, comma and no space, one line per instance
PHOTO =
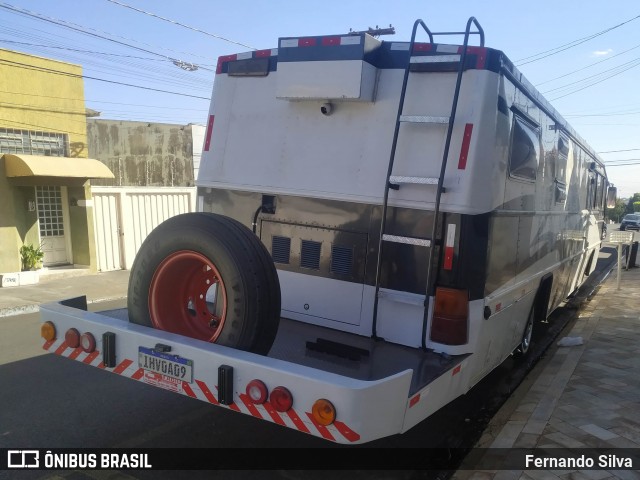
139,57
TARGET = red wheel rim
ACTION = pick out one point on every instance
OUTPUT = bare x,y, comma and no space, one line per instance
187,296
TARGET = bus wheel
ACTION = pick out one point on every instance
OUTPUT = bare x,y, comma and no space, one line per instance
525,344
207,277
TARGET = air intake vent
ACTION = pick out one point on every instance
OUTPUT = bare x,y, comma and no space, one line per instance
280,248
310,254
341,260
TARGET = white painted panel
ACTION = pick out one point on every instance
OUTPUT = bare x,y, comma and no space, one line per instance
336,79
140,209
320,299
55,251
147,210
107,230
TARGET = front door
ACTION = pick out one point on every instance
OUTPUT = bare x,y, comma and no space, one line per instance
51,220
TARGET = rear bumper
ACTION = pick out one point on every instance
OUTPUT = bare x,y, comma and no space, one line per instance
366,410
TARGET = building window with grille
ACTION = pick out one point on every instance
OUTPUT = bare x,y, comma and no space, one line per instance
28,142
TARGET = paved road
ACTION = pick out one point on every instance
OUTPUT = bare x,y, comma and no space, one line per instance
48,401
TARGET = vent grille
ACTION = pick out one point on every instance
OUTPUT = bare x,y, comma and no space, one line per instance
310,254
280,249
341,260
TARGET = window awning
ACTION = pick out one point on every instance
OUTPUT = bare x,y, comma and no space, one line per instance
61,167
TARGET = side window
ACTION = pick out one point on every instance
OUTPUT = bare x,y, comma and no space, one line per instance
591,190
563,153
525,150
560,191
600,192
560,171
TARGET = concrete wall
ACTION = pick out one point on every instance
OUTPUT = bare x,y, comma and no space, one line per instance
143,154
43,95
197,134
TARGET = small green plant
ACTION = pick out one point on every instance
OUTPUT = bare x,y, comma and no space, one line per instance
31,256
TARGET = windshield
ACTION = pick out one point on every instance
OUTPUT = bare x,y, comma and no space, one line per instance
632,217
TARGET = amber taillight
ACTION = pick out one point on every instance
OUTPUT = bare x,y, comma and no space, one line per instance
450,316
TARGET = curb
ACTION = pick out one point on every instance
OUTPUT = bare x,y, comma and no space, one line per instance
35,308
19,310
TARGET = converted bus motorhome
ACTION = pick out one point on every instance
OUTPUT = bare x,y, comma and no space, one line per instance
380,224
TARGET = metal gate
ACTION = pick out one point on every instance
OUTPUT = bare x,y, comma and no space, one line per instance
124,216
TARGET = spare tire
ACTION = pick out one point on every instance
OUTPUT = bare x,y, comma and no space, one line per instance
209,277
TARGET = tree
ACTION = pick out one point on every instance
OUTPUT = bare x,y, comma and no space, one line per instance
616,213
634,203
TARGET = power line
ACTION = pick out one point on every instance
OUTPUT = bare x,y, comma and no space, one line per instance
620,160
604,114
58,72
98,101
62,23
219,37
166,67
83,51
163,75
588,66
635,62
616,151
566,46
596,82
49,129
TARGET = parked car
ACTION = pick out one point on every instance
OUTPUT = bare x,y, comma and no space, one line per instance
631,221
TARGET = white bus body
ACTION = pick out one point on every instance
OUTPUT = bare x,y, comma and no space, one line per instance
299,144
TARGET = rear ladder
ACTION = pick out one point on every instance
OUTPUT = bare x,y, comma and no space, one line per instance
395,181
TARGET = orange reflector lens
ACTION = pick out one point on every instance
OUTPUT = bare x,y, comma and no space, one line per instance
257,391
281,399
88,342
323,412
48,331
450,312
72,338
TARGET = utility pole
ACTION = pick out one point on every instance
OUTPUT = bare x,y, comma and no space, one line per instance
375,32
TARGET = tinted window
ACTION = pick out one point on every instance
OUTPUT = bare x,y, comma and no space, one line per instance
560,192
525,150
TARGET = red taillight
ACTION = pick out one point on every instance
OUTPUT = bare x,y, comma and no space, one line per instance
281,399
72,338
207,138
87,342
450,313
257,391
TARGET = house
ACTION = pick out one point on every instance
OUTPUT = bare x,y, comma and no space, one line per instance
45,169
87,189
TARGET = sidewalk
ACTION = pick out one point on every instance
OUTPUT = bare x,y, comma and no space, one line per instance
62,284
585,396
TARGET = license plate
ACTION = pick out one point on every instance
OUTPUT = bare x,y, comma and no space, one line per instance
169,365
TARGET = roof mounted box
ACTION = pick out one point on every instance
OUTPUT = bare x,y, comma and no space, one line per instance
327,68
